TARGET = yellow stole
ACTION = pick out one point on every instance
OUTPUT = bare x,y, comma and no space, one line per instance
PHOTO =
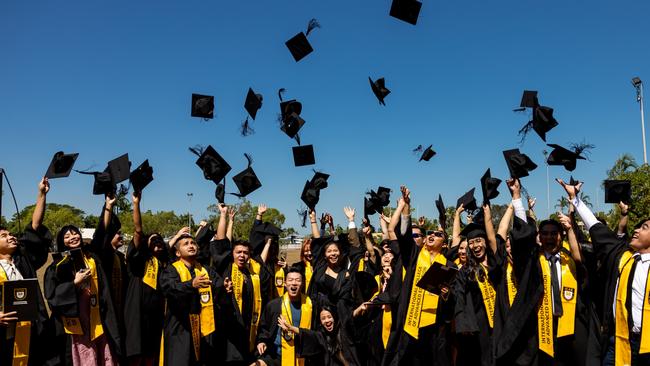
73,325
423,305
288,348
202,323
151,272
488,294
238,289
386,317
309,271
512,284
568,292
21,336
622,350
362,265
279,280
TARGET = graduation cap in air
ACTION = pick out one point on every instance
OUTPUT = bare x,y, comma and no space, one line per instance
303,155
246,181
426,154
252,104
442,213
618,191
61,165
529,99
542,117
118,170
468,201
376,202
141,176
298,45
406,10
365,286
489,186
311,192
379,89
214,167
436,277
518,164
290,120
565,157
220,192
203,106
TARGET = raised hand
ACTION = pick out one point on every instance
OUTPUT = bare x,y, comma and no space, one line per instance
312,216
421,221
384,218
565,221
43,186
231,213
349,213
406,194
623,207
110,200
135,197
459,209
223,209
261,209
572,191
515,187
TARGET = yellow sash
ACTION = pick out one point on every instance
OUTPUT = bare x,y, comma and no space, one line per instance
279,280
622,350
386,317
238,288
568,292
203,322
423,305
151,272
512,284
21,336
308,273
362,265
288,348
73,325
457,262
488,294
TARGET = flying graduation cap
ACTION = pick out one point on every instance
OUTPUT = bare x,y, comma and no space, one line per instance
290,120
468,201
117,171
406,10
246,181
518,164
141,176
303,155
252,104
426,154
489,186
376,202
203,106
618,191
565,157
379,89
298,45
442,213
61,165
311,192
214,166
542,117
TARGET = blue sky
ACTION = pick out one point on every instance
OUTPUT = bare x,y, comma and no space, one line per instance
104,78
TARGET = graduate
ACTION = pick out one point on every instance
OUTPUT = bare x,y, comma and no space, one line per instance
276,346
305,264
264,240
26,342
144,302
192,292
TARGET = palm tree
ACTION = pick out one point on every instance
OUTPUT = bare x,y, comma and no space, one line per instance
623,165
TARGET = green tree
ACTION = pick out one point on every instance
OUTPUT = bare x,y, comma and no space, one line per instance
639,176
625,164
56,216
245,216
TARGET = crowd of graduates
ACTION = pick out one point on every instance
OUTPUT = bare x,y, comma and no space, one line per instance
515,292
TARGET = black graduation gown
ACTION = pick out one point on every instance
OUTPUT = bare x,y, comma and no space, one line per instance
237,323
143,307
402,349
61,295
515,332
183,300
30,255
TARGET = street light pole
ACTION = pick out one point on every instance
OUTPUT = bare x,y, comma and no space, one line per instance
638,85
548,185
189,210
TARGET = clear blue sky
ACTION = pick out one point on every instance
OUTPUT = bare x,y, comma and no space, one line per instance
104,78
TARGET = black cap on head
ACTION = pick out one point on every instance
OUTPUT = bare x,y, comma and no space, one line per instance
120,168
141,176
473,230
406,10
214,167
303,155
518,164
365,286
618,191
529,99
468,201
253,103
379,89
202,106
563,156
489,186
298,45
442,212
246,181
61,165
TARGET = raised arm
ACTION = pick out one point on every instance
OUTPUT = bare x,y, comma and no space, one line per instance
108,210
455,231
231,222
138,235
352,228
370,244
406,211
39,209
489,228
574,247
185,230
622,223
395,219
506,219
531,207
221,228
315,232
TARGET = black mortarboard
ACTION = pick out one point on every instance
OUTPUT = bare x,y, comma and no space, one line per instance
379,89
253,103
473,230
287,108
220,192
141,176
406,10
618,191
246,181
61,165
383,194
214,167
564,157
319,180
120,168
103,183
202,106
427,153
365,285
437,276
298,45
311,192
442,213
529,99
376,202
468,201
303,155
292,125
518,164
489,186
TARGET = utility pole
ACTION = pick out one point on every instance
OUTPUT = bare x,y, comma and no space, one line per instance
638,85
189,210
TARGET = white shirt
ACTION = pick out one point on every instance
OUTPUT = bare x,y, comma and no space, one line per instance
638,290
10,270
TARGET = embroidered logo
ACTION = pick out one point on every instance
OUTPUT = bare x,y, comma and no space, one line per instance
568,293
20,294
279,281
205,297
93,300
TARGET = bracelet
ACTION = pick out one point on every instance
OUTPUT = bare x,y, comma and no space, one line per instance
106,209
623,214
313,222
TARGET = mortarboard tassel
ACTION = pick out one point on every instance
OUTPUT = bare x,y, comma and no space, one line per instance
303,216
246,129
313,24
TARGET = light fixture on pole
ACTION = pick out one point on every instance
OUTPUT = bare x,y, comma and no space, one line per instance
189,209
638,85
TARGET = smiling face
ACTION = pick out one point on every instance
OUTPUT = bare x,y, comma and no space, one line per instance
240,255
327,320
332,254
550,236
477,247
508,248
186,248
641,238
72,239
306,252
418,236
8,242
292,284
462,251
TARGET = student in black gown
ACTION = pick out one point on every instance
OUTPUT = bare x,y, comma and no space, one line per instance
192,292
144,303
305,264
20,259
